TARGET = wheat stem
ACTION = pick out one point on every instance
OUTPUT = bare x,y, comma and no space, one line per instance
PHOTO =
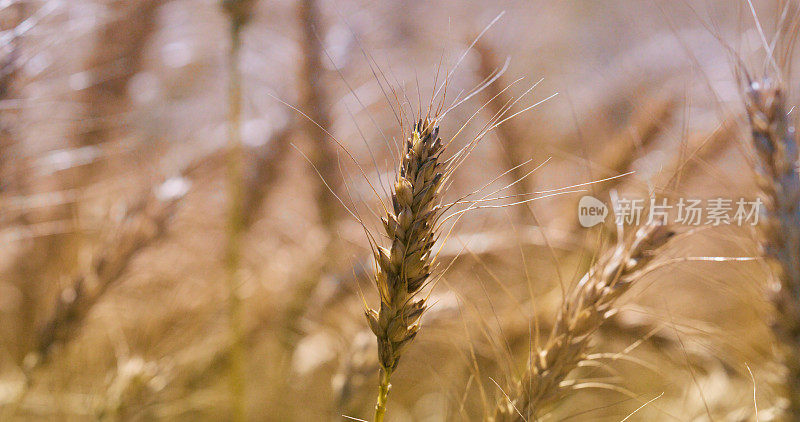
383,394
239,12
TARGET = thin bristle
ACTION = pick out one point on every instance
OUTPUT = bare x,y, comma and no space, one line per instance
583,312
779,181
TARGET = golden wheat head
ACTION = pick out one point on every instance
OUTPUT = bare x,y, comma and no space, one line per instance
404,268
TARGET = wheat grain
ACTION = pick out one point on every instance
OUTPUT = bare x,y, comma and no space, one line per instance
589,305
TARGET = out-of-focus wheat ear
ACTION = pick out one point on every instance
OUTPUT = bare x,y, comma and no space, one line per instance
144,224
314,103
116,57
511,139
10,17
12,175
315,128
239,13
626,145
774,139
404,268
584,311
642,128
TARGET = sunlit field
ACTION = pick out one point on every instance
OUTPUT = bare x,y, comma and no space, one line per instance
252,210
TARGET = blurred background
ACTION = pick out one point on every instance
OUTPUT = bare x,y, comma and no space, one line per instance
154,266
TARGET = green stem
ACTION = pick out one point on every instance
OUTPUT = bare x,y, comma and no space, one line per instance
383,394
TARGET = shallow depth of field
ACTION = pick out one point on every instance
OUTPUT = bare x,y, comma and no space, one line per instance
165,256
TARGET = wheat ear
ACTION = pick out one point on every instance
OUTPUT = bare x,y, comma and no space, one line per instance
583,312
776,147
405,267
145,223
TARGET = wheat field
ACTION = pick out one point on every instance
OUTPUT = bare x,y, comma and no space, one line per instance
253,210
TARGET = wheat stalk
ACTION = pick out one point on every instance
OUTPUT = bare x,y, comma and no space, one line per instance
404,268
583,312
776,147
239,13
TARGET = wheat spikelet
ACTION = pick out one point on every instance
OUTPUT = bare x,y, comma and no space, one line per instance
405,267
776,147
590,304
